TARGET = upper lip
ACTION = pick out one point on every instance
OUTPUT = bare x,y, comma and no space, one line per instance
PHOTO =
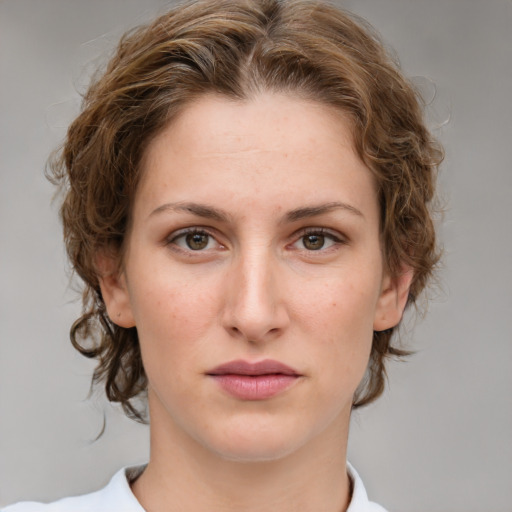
241,367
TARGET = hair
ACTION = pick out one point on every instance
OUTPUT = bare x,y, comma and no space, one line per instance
238,48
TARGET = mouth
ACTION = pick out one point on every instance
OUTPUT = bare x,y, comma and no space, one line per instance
254,381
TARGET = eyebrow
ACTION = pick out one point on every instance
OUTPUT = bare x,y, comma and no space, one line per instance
210,212
313,211
201,210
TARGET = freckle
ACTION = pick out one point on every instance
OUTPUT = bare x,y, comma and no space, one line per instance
334,304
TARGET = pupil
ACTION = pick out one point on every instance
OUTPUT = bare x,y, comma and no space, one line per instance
314,242
197,241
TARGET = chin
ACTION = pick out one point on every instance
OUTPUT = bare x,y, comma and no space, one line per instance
256,443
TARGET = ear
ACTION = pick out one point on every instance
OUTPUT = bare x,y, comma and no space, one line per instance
114,290
392,300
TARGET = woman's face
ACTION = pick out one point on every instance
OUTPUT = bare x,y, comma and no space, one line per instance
254,276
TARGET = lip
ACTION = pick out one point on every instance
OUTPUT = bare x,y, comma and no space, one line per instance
254,381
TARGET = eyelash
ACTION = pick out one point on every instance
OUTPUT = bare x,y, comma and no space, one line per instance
297,237
183,233
321,232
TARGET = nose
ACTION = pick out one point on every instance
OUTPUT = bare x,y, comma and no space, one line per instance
255,306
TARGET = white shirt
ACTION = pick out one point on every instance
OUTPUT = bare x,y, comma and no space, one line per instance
117,496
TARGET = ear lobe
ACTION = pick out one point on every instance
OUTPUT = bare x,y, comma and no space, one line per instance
114,290
392,300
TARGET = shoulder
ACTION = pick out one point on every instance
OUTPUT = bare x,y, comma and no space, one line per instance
117,495
360,501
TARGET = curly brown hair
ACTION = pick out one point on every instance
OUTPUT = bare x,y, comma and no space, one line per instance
236,48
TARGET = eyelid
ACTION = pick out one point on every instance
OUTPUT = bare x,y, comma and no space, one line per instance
171,238
338,239
313,230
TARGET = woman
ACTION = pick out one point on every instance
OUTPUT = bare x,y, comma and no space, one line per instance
247,196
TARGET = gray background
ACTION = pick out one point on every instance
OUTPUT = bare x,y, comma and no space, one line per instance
440,439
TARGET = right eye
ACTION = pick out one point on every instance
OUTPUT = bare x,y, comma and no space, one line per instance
194,240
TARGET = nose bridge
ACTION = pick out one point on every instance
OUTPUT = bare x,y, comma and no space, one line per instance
254,309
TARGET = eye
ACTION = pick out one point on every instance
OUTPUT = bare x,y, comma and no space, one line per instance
317,239
194,240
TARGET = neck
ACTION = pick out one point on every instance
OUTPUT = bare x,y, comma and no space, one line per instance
184,475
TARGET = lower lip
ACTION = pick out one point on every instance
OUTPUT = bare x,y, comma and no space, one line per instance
255,387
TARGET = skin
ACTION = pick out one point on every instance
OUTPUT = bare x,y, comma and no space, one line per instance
276,279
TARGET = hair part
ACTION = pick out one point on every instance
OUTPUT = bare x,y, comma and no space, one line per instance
238,49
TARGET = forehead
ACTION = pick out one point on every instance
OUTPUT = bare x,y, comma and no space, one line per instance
270,145
224,125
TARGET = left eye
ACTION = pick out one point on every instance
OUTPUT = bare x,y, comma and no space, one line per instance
316,241
195,241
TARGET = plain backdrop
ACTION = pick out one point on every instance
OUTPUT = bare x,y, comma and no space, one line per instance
440,440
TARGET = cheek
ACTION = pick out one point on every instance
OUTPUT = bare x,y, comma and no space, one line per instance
339,318
169,329
168,300
340,306
172,320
